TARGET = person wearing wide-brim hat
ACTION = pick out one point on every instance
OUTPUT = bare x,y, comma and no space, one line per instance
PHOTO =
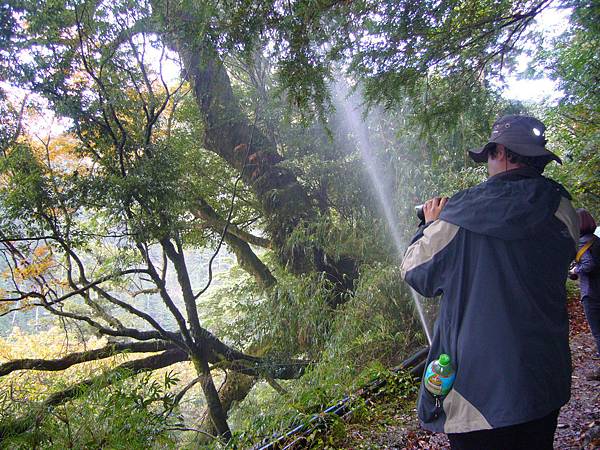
522,135
499,254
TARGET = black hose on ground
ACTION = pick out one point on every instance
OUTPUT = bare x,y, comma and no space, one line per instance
297,436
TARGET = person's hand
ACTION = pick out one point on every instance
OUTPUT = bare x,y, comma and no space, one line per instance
433,207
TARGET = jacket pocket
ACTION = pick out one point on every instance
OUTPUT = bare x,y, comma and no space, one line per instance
430,407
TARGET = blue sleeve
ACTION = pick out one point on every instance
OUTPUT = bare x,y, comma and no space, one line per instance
588,262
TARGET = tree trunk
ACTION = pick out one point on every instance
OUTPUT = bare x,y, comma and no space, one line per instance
217,414
236,388
228,133
231,135
236,239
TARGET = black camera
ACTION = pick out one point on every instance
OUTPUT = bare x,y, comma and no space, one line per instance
420,213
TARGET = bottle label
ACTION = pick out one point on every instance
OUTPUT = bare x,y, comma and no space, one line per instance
438,384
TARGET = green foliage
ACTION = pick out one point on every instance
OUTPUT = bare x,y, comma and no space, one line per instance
379,323
27,190
375,329
329,429
243,314
137,167
398,385
573,289
572,60
128,414
393,46
392,406
9,115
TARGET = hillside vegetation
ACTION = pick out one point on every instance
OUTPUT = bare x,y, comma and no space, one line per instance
203,204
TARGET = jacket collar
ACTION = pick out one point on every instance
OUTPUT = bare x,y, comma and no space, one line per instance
516,174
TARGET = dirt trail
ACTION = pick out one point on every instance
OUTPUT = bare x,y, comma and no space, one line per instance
578,423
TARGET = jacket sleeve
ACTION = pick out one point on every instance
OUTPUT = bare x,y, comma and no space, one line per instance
426,265
588,262
419,234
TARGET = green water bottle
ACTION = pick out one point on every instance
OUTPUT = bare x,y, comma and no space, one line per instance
439,375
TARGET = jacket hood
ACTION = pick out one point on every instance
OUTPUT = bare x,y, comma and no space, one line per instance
506,206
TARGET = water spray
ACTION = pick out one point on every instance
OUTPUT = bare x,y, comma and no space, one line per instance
419,307
355,123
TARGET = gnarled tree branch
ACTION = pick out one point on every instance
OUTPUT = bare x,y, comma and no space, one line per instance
210,216
80,357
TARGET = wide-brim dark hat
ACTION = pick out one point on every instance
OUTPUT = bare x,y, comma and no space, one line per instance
523,135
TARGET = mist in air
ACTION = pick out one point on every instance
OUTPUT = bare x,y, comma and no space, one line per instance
349,107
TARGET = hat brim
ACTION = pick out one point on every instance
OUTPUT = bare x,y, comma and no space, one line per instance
480,154
533,151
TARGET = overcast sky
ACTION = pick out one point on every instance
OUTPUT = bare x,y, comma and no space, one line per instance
552,22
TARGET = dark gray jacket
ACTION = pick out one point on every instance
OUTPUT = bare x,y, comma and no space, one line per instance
499,257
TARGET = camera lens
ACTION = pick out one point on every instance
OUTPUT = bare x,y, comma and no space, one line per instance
420,213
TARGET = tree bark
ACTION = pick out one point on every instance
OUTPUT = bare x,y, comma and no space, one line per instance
77,358
236,388
210,216
164,359
228,134
218,353
251,263
238,241
218,416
